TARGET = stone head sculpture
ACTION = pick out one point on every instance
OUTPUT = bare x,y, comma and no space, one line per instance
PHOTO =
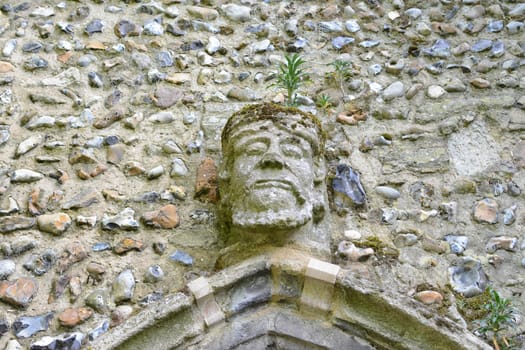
271,180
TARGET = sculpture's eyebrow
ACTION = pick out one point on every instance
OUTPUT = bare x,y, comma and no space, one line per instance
244,141
240,136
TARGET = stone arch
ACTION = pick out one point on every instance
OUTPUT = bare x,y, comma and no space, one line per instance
286,300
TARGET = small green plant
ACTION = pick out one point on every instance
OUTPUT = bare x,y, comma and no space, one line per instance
342,71
496,321
291,75
324,103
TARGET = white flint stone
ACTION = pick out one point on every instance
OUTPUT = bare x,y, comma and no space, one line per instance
205,59
25,175
13,345
124,286
213,45
396,89
353,235
11,208
352,252
28,144
43,12
388,192
375,87
236,13
178,168
435,91
155,172
162,117
45,121
393,15
261,46
90,221
223,77
352,26
9,47
7,268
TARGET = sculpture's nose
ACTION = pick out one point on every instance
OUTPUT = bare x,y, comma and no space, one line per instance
272,160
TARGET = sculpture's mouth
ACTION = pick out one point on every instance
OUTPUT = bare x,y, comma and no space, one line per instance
286,185
271,183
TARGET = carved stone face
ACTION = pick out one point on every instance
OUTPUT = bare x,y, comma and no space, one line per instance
271,177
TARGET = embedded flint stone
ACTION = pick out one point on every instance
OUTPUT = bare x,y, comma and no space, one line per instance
19,292
14,223
123,220
55,224
123,287
318,287
99,300
82,200
11,208
468,277
458,244
28,144
502,242
25,175
203,293
26,326
347,183
353,253
486,211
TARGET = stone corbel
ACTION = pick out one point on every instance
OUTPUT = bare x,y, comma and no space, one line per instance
318,286
203,293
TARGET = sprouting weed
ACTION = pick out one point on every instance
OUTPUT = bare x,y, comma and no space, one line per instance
498,319
324,103
342,71
290,77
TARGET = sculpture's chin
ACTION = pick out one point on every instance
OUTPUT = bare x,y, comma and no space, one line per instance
272,220
268,200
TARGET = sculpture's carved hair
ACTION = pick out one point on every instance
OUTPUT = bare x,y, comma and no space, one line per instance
292,119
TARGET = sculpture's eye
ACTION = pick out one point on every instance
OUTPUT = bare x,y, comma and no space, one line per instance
254,148
292,150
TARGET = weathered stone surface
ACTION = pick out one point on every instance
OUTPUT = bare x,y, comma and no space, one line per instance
19,292
124,221
429,156
139,84
486,211
127,244
166,217
519,154
502,242
39,264
429,297
472,150
7,267
206,184
123,286
468,277
72,254
56,223
99,300
83,199
25,327
14,223
74,316
166,97
120,314
25,175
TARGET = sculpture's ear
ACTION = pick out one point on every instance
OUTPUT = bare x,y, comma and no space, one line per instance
319,171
